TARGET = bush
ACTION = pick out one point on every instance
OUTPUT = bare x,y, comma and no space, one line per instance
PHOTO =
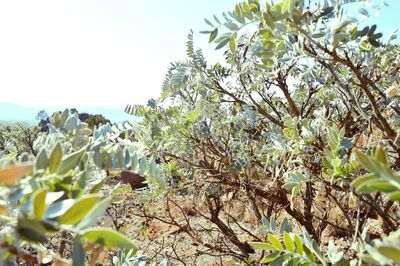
17,138
280,125
59,192
92,120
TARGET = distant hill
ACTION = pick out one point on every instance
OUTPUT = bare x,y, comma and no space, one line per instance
10,112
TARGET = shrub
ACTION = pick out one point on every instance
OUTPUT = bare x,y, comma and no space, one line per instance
60,192
278,125
17,138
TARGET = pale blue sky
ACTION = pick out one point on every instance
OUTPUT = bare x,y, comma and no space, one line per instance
103,52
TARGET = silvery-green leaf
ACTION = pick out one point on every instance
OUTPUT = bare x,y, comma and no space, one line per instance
71,123
134,162
42,160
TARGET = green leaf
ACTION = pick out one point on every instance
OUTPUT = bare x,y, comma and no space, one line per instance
55,119
288,6
339,37
379,169
119,157
279,12
58,208
69,162
354,33
78,252
64,116
336,163
193,116
395,196
270,258
372,30
299,245
134,162
106,159
364,12
108,238
142,165
79,185
279,46
55,158
381,185
95,213
79,210
209,22
297,16
269,19
267,34
41,160
217,20
231,26
50,226
373,42
288,242
39,203
262,246
246,7
361,181
377,36
368,163
364,31
318,35
268,45
269,63
153,168
213,35
275,241
238,10
97,186
31,230
380,155
390,252
333,254
71,123
295,191
266,55
284,226
289,185
85,132
232,42
222,43
97,159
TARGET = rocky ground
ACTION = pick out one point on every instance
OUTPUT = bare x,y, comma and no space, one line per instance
152,226
159,239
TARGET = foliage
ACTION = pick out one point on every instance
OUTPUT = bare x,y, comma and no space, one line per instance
303,250
282,125
131,258
59,191
299,124
42,115
17,138
295,250
92,120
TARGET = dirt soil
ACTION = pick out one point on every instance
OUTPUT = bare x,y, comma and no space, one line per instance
159,240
